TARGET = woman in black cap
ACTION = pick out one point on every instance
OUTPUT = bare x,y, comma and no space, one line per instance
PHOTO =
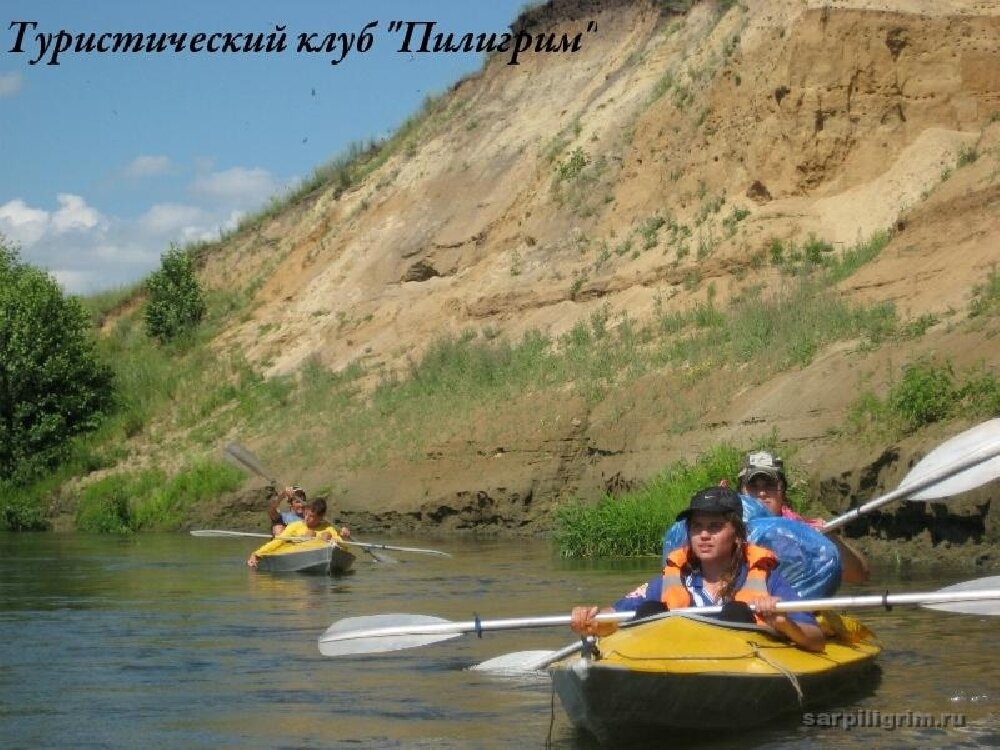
717,566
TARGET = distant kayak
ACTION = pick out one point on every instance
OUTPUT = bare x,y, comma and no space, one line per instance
317,557
690,672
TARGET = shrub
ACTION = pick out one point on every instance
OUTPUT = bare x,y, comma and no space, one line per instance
926,394
176,304
20,509
573,165
161,505
634,523
148,500
967,155
52,385
104,506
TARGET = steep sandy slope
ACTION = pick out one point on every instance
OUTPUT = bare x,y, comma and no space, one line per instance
841,120
525,201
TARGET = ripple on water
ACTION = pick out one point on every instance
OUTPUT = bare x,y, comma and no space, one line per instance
169,641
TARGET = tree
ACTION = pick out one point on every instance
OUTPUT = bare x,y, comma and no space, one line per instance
176,304
52,384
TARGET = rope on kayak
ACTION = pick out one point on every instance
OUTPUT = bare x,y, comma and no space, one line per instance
784,670
552,713
885,602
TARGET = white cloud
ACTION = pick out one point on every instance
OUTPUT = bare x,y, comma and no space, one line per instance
21,223
126,252
148,166
171,217
239,186
27,226
10,84
74,213
70,280
87,250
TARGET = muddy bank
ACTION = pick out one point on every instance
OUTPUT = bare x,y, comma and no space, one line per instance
510,487
962,533
908,540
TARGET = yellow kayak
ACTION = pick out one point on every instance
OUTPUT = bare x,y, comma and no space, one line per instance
306,557
688,671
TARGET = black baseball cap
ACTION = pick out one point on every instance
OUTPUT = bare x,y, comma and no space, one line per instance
713,500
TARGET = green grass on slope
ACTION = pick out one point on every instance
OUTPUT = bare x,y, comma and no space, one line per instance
177,403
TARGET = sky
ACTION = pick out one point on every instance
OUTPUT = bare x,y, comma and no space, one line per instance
107,158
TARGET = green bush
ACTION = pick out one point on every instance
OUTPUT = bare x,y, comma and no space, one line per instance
574,164
52,384
148,500
103,507
967,155
161,505
634,523
176,304
926,394
20,509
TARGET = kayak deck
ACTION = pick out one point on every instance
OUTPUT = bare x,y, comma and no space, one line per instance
692,672
316,557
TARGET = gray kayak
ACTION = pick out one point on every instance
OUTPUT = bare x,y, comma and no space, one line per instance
307,557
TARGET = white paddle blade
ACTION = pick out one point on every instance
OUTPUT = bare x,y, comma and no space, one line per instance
359,635
982,440
520,662
517,662
990,607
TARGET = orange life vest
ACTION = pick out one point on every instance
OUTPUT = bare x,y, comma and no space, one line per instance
760,561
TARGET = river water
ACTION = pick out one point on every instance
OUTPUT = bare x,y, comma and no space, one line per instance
169,641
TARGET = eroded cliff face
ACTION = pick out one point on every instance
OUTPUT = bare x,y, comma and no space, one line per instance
508,206
829,120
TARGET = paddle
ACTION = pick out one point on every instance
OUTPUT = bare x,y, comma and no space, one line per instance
220,533
349,542
394,632
531,661
966,461
963,462
526,661
243,457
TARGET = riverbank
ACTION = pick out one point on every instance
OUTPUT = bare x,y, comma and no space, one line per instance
921,553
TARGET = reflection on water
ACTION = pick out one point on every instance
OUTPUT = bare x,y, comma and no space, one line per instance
169,641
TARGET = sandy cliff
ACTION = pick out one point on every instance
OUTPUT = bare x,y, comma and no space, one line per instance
509,204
